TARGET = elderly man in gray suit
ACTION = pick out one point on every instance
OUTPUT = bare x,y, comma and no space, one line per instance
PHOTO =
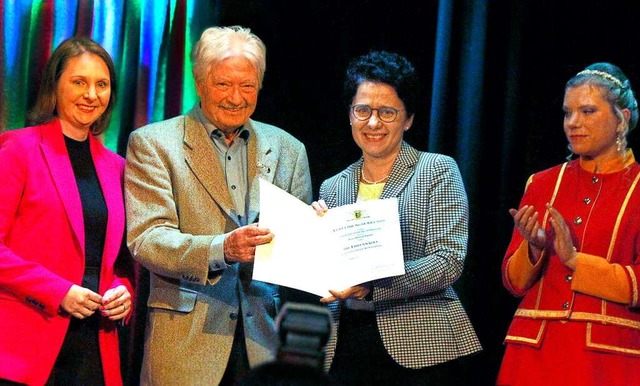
192,201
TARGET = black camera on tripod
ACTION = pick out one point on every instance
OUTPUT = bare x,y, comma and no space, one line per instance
304,331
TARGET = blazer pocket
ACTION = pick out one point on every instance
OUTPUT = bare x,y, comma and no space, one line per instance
529,332
174,299
613,339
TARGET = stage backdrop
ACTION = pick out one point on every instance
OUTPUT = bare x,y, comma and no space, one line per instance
492,80
149,41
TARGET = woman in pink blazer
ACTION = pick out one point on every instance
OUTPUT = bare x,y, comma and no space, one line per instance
65,274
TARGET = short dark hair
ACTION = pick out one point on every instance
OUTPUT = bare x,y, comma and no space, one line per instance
383,67
45,107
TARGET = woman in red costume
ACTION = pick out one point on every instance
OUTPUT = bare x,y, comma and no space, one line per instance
573,256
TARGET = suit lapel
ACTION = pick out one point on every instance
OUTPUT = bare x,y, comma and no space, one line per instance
57,159
203,161
108,172
347,184
262,162
403,169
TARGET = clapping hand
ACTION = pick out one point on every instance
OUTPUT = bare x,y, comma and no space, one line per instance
526,221
562,242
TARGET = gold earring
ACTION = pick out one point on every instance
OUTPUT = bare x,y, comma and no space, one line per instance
619,144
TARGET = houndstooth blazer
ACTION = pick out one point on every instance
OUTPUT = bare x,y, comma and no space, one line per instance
419,315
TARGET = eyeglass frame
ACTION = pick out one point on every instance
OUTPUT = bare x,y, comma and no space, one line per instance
395,116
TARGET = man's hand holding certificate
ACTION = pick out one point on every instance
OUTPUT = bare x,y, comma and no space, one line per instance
349,245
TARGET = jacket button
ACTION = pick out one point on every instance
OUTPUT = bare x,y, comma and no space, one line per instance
595,179
565,305
577,220
587,201
233,316
568,278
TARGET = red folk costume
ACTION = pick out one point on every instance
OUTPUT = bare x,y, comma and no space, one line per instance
578,327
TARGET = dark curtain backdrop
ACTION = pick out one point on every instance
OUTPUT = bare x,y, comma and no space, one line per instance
492,78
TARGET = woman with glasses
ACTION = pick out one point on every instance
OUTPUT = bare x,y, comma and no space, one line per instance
409,329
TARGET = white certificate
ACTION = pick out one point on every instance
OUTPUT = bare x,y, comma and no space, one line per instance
349,245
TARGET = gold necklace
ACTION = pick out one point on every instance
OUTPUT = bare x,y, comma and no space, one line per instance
372,182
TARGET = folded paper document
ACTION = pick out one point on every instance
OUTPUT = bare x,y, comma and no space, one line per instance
349,245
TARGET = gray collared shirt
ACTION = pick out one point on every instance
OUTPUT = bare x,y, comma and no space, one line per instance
233,160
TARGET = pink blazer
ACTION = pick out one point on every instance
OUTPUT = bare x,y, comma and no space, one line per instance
42,249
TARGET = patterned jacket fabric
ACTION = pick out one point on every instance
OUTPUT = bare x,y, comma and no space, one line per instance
419,315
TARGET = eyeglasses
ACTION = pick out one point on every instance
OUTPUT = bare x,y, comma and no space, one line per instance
385,114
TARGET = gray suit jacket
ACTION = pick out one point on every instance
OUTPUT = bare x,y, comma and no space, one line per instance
177,202
420,318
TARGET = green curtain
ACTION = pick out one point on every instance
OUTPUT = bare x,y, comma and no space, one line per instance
149,41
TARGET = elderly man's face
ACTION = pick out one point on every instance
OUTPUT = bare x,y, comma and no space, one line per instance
229,93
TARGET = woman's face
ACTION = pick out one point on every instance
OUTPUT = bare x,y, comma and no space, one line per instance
83,92
376,138
590,123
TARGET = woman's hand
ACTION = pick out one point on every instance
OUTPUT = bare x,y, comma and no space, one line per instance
525,220
356,292
116,303
80,302
320,207
562,242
